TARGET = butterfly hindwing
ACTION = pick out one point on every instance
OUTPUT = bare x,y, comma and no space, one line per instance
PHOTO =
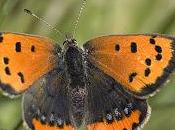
23,59
46,104
141,63
109,107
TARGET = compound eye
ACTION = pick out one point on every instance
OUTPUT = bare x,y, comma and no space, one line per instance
74,41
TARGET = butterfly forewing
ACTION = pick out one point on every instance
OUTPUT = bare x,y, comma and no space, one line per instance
23,59
141,63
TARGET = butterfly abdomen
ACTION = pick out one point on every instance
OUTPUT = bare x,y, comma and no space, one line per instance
78,96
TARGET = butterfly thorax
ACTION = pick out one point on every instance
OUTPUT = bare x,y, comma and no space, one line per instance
73,58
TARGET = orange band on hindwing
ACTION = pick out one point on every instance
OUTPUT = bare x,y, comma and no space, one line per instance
127,123
39,126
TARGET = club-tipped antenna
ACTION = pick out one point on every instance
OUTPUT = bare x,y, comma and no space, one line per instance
78,16
44,21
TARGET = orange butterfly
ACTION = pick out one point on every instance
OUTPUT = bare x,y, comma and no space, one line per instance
104,86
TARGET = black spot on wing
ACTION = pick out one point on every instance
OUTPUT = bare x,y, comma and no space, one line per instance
32,48
147,72
158,57
132,76
148,61
21,77
7,71
133,47
117,47
152,41
18,46
158,49
6,60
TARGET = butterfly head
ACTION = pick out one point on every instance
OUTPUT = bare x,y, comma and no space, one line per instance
70,41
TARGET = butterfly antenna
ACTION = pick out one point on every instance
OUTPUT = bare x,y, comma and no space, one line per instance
44,21
78,16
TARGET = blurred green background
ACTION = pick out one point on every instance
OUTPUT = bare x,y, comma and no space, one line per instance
100,17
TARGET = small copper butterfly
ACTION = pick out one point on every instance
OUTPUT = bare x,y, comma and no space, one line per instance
104,86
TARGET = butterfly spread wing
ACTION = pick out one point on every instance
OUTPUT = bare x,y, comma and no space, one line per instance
141,63
46,104
109,106
24,59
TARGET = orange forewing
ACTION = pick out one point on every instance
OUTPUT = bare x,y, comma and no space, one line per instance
23,59
134,70
125,124
38,126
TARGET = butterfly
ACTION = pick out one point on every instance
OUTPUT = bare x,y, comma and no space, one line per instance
102,86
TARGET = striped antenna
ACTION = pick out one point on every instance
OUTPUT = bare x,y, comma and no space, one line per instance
44,21
78,16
